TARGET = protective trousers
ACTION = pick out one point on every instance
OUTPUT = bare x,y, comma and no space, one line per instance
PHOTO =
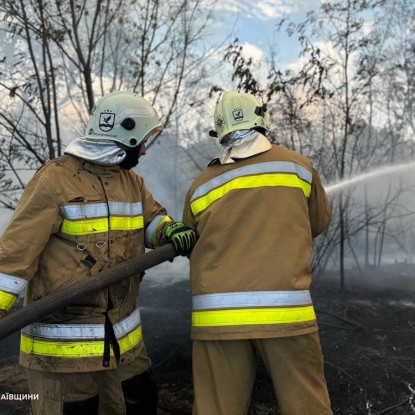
114,388
224,375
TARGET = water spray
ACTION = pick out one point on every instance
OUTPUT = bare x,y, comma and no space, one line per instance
379,172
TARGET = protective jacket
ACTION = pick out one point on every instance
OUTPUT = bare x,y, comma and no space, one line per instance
75,219
250,269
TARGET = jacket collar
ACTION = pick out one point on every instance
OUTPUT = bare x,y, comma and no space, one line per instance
96,168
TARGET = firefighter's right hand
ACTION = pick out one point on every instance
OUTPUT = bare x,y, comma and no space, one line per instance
182,237
3,313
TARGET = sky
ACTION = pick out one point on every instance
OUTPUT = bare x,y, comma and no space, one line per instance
255,25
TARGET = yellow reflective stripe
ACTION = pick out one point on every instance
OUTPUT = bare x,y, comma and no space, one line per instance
131,340
91,226
84,227
126,223
76,349
154,235
250,316
249,182
6,300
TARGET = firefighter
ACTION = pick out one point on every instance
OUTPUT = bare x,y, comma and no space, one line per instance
81,213
255,209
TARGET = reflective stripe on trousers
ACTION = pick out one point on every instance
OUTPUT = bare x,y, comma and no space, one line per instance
79,340
252,307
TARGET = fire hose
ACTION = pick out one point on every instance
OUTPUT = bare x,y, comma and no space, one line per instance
66,296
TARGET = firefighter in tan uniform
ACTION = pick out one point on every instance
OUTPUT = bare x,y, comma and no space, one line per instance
255,210
81,213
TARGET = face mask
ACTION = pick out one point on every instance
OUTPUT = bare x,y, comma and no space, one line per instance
131,159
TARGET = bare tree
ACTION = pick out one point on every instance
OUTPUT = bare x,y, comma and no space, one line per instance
59,56
332,109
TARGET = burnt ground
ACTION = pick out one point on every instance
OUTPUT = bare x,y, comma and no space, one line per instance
367,332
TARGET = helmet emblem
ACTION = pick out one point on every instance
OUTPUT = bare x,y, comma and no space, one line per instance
106,121
238,114
220,122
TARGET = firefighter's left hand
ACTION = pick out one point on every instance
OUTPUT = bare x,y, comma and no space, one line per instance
182,237
3,313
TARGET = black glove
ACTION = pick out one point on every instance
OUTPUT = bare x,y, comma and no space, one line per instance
182,237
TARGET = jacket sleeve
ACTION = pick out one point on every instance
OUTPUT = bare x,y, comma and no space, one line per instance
188,218
34,220
155,219
319,209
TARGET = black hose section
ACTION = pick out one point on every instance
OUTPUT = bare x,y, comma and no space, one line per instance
65,296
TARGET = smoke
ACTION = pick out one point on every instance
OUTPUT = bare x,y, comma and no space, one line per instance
5,215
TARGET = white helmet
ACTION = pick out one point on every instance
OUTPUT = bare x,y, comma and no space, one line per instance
239,111
124,117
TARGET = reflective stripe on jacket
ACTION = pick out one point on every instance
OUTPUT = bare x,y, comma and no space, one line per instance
85,219
276,173
249,308
10,288
250,269
79,340
75,219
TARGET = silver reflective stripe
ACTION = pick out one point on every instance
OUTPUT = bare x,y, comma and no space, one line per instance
251,299
100,210
12,284
260,168
82,331
85,210
152,227
128,324
125,209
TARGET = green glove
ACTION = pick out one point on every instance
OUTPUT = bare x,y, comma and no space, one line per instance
182,237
